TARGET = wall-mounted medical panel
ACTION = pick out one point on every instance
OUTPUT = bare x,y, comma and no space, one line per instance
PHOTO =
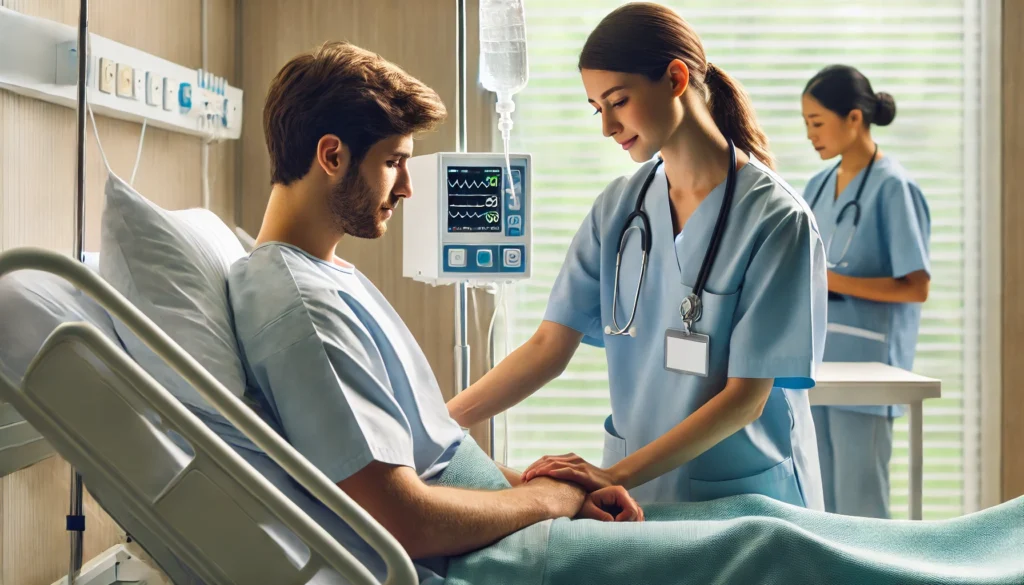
39,59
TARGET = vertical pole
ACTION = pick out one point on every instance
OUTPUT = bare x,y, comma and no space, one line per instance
461,139
75,519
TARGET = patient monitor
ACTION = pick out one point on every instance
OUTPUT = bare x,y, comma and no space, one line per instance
463,223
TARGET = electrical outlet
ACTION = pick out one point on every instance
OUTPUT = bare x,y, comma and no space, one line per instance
107,68
125,82
154,89
139,79
170,93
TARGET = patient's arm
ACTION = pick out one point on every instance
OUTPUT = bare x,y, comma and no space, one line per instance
433,521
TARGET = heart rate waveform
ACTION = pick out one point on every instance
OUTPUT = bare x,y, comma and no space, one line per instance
488,216
488,183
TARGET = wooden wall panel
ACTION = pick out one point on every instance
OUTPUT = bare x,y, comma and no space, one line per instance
426,49
222,60
37,497
37,188
1013,250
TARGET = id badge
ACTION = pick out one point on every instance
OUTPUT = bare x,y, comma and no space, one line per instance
687,353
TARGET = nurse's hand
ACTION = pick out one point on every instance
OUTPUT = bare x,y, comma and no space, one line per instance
611,504
571,467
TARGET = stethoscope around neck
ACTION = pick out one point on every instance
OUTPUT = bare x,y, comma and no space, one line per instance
691,308
854,205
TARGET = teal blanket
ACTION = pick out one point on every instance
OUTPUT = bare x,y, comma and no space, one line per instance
741,539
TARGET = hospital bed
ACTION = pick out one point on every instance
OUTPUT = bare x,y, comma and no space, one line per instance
199,510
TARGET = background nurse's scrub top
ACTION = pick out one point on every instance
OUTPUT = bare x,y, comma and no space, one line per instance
890,241
763,309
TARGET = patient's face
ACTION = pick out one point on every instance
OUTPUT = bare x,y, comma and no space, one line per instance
366,197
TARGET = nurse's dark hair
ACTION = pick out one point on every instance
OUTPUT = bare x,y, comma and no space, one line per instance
644,38
842,89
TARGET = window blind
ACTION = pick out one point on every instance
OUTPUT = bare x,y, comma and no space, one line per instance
923,52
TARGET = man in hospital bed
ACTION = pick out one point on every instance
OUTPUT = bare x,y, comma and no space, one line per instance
336,372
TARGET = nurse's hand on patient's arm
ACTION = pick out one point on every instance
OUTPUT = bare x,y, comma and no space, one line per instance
433,521
571,467
535,363
611,504
912,288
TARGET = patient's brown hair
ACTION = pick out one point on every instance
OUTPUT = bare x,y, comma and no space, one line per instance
341,89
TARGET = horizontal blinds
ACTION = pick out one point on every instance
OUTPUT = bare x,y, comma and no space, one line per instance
915,50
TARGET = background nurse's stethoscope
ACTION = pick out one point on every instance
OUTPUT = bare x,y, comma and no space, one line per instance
690,308
854,205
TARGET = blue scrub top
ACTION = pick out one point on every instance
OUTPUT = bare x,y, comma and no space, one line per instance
890,241
763,309
339,375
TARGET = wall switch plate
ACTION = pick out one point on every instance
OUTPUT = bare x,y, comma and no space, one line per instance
107,73
125,82
170,93
139,80
154,89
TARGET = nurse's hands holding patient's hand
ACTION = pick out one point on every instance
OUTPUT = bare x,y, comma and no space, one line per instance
571,467
611,504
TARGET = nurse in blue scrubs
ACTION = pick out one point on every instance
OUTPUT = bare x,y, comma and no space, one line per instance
712,336
876,225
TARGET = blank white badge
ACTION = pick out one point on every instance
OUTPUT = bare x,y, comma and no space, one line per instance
687,353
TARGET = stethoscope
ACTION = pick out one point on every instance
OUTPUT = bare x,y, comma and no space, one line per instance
691,307
855,205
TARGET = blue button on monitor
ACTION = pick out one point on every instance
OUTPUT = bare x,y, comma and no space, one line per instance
484,258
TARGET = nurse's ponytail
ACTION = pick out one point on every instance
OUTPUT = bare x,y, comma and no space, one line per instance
644,38
734,114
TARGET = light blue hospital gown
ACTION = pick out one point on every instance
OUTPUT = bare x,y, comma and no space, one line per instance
764,310
339,375
891,241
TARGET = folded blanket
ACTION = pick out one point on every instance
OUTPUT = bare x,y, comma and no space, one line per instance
741,539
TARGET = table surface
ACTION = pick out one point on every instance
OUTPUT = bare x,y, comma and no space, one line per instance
867,383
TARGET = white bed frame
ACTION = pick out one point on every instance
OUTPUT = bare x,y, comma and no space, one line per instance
205,516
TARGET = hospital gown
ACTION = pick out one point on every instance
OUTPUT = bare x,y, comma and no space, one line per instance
335,370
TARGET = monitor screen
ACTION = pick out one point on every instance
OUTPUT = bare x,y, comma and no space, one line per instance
474,199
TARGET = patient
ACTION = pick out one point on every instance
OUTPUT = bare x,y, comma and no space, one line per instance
340,375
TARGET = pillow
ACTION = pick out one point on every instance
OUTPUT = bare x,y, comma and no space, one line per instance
173,266
32,305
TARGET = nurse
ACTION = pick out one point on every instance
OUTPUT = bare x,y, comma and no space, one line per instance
713,334
876,225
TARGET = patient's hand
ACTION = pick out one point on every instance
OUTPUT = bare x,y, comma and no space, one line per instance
611,504
571,467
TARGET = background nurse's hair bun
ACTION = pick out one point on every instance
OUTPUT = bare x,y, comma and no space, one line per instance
885,109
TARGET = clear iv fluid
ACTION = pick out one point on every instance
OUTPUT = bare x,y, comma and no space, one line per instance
503,62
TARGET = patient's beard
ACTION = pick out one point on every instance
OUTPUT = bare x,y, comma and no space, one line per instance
356,207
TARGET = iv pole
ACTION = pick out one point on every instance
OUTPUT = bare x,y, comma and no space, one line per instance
461,139
75,518
462,363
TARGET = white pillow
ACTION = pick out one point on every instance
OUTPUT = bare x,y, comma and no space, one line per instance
32,305
173,266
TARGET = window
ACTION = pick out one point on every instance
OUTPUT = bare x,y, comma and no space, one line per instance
923,52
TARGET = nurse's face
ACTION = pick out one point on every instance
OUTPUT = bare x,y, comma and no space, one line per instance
637,113
830,134
365,198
